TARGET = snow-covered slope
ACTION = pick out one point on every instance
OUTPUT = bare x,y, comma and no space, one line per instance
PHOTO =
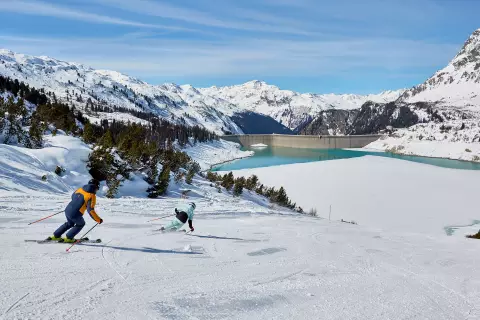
247,261
288,107
456,85
82,86
389,194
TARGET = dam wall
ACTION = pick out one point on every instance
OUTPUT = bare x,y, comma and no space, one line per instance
306,142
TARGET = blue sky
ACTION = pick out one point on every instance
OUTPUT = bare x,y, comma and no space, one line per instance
341,46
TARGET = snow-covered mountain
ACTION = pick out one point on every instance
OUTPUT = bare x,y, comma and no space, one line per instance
82,86
290,108
211,108
456,85
450,95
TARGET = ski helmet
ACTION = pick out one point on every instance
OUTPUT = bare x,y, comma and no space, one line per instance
193,205
95,182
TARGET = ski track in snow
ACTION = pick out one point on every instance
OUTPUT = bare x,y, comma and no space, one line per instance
240,266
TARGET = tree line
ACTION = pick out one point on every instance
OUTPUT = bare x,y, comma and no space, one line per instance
237,185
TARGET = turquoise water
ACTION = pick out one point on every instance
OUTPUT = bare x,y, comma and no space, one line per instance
274,156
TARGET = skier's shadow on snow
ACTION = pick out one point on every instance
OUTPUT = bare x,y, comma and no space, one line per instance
221,238
144,249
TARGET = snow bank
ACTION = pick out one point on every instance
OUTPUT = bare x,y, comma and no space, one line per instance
259,145
437,149
459,140
380,192
22,169
210,153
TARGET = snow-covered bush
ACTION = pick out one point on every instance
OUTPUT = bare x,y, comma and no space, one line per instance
59,170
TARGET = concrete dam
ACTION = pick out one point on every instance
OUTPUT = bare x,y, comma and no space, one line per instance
304,142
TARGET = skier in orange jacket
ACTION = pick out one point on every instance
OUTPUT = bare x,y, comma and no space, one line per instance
84,199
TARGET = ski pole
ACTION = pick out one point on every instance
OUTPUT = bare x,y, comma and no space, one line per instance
78,240
46,217
162,217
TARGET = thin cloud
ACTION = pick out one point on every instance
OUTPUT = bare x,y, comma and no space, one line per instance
267,23
189,58
47,9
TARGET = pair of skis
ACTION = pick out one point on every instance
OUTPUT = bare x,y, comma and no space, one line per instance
83,240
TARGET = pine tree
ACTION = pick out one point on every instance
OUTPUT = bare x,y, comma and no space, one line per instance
281,197
212,176
228,181
161,187
107,140
260,190
35,133
238,187
113,185
251,182
88,133
15,119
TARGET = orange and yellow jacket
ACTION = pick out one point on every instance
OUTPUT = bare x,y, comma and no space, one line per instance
84,199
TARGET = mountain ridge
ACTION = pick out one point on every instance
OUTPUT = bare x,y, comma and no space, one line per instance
210,107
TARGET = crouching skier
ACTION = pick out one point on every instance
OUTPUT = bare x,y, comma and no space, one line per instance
82,199
183,213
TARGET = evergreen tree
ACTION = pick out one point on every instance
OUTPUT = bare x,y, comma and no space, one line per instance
260,190
14,117
35,133
161,187
281,197
238,187
212,176
251,182
107,140
113,185
88,133
228,181
193,168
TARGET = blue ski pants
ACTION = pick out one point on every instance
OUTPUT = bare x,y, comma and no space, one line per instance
75,224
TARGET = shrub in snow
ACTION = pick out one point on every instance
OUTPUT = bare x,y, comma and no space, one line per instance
59,170
468,150
476,158
44,177
474,236
312,212
350,222
179,175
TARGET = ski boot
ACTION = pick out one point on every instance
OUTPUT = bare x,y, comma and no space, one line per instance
53,238
67,240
